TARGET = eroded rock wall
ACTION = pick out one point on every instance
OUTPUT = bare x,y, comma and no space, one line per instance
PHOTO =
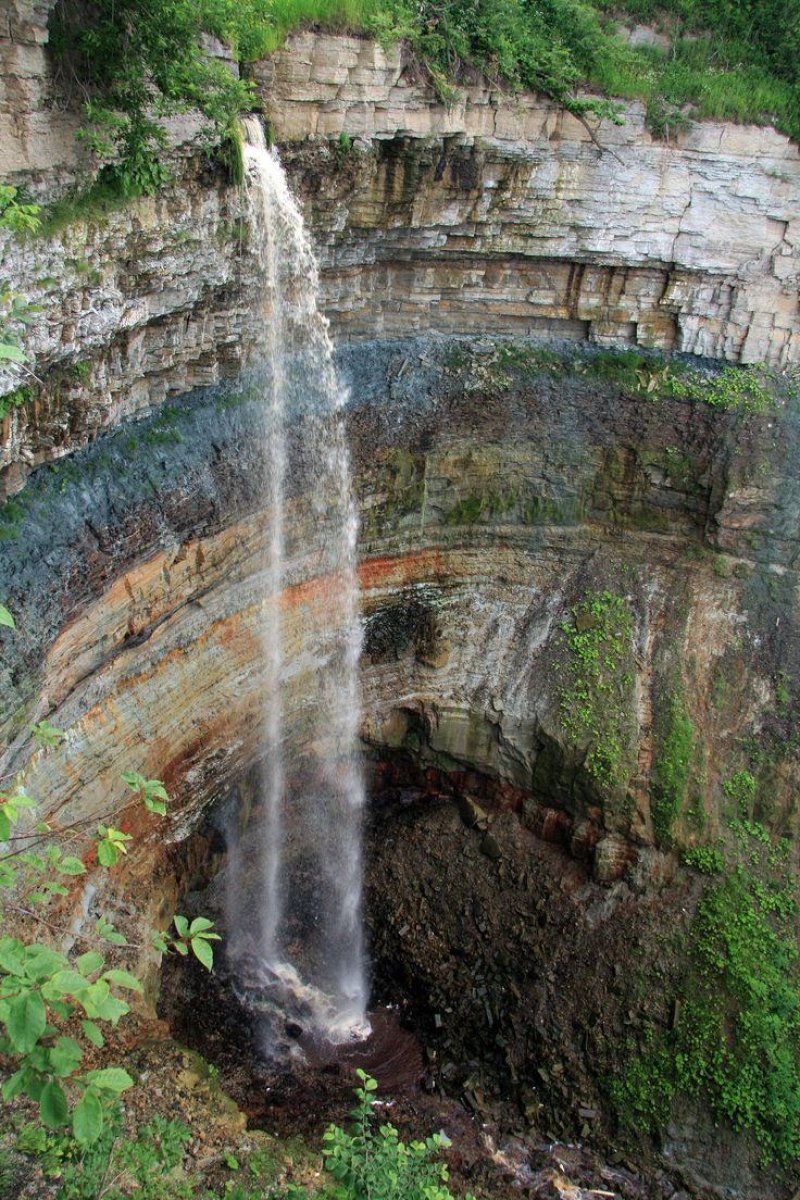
491,505
506,213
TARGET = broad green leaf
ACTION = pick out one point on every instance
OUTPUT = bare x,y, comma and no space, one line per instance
12,956
110,1009
108,933
11,353
134,780
67,983
90,962
93,1033
107,857
5,826
182,925
110,1079
33,1084
33,860
47,734
199,924
87,1119
203,951
181,947
55,889
71,866
6,618
8,873
20,800
53,1105
41,962
123,979
14,1085
26,1021
65,1057
155,806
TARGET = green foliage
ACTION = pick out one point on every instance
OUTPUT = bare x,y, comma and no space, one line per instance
741,790
46,734
595,703
151,791
368,1163
671,769
705,859
734,389
736,1045
15,315
45,995
6,619
137,63
726,61
195,937
17,214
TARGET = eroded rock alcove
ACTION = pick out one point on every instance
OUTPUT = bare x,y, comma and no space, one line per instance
522,483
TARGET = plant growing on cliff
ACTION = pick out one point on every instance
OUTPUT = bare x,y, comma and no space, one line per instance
735,1044
18,216
135,63
594,702
53,1005
672,767
368,1163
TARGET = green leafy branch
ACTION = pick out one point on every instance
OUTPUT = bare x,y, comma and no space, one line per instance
370,1163
45,996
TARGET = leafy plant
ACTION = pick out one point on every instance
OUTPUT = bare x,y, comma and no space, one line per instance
47,734
17,214
736,1045
46,996
152,791
194,937
368,1163
134,64
671,768
593,704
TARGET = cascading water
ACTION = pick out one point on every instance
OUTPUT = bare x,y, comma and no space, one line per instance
296,376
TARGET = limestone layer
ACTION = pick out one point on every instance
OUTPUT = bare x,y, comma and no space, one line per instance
491,505
505,212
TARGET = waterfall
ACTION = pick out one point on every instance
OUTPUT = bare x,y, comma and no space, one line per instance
295,375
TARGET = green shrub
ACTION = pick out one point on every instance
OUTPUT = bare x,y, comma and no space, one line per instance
736,1043
705,859
368,1163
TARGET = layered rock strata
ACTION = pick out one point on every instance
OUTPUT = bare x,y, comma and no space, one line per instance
493,214
486,515
498,212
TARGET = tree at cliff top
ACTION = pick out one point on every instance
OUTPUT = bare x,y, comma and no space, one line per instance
134,62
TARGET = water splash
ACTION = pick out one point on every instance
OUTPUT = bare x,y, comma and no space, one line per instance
296,376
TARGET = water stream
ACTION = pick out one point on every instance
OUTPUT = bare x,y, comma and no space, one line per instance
323,802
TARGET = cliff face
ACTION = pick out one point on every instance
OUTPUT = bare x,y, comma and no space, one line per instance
495,214
512,489
504,213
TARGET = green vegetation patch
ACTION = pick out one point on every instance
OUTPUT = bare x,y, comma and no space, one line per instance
735,1044
132,63
16,399
671,769
596,704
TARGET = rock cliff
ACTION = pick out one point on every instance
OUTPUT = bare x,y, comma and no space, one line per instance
518,484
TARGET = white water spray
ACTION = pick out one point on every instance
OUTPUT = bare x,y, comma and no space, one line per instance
298,382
